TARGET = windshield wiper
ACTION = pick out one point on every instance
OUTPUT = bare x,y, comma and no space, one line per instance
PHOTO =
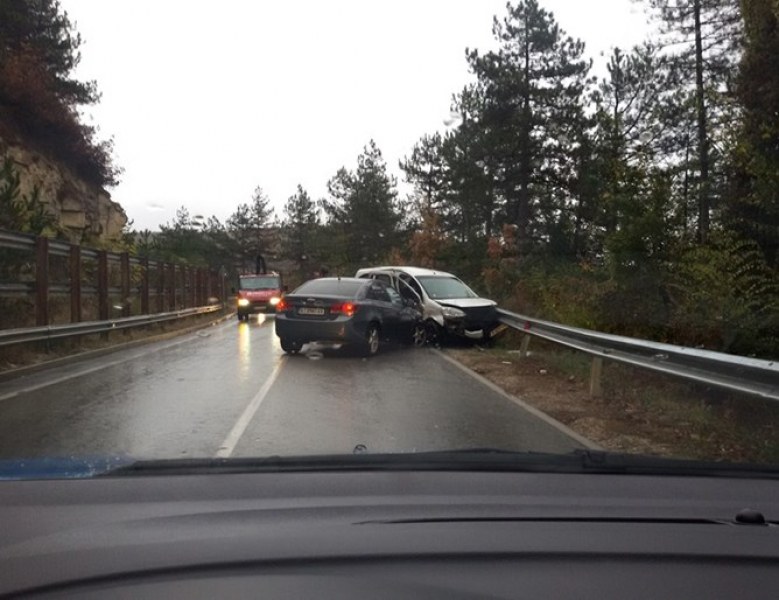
473,459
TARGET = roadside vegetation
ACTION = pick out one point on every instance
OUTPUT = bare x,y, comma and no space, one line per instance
40,99
644,203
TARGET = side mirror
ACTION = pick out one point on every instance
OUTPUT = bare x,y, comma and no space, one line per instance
232,291
285,289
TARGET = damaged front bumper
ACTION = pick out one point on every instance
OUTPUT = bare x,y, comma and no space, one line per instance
458,328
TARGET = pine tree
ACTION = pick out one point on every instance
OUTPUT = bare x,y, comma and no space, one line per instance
42,30
39,95
363,209
630,133
704,41
472,195
533,88
753,202
424,169
247,226
301,218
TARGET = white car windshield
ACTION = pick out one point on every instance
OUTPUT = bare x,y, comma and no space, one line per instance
446,288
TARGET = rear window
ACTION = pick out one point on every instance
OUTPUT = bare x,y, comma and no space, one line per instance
330,287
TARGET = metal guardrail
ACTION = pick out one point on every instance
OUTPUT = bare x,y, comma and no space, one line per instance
16,289
737,373
9,337
88,271
16,241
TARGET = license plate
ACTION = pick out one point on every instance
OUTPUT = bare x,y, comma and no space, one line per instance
311,311
498,330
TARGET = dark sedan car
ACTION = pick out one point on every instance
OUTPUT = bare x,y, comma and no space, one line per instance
347,310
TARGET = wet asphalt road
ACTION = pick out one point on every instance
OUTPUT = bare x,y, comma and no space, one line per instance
229,390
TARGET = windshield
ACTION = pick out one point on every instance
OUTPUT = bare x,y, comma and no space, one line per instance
260,283
443,288
599,177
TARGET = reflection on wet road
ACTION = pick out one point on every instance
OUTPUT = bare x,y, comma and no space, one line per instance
231,391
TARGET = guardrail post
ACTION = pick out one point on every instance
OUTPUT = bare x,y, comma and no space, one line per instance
144,286
198,286
596,391
192,286
193,291
75,284
181,286
160,268
172,287
124,269
188,287
195,286
182,299
102,285
184,286
41,281
524,345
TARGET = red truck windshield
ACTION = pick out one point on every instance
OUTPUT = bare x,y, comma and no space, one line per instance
261,282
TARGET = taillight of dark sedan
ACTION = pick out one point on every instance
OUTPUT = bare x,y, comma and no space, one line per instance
349,311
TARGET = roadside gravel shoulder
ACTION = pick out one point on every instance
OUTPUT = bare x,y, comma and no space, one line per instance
638,412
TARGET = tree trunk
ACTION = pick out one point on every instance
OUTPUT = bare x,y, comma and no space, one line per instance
523,201
703,140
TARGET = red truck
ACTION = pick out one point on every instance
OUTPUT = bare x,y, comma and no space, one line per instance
258,293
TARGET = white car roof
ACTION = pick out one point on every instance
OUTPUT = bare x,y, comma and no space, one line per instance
413,271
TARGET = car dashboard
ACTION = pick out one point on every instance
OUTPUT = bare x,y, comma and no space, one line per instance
390,534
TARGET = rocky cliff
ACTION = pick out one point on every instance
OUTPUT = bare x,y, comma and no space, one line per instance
83,211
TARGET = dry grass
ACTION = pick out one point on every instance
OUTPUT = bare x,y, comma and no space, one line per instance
639,412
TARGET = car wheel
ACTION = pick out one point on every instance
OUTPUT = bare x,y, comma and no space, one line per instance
418,335
290,346
434,333
372,340
486,342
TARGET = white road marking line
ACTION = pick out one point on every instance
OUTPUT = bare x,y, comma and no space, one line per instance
45,384
232,439
100,367
531,409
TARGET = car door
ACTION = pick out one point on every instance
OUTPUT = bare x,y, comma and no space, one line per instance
406,315
411,291
389,315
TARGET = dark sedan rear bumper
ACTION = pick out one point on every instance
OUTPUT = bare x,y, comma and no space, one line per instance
304,331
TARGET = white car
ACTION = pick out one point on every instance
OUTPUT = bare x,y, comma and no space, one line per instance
449,307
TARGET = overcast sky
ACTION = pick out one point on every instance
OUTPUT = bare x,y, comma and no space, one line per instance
207,100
